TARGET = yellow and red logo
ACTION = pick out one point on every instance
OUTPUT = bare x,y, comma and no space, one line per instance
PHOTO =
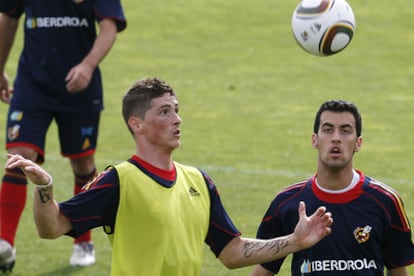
362,234
13,132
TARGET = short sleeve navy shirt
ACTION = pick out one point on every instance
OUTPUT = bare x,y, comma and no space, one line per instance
57,36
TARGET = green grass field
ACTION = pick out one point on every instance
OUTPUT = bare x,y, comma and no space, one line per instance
248,95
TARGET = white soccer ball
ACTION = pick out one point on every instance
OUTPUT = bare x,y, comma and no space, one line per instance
323,27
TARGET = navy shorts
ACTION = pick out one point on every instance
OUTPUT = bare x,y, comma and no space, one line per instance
78,131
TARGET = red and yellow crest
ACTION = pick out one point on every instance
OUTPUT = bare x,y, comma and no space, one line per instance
362,234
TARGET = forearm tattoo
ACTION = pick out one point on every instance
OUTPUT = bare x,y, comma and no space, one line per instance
44,194
252,247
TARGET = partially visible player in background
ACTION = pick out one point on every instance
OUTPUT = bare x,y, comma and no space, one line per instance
159,213
58,78
371,230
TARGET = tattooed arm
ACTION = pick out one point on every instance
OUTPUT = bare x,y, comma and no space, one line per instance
309,230
49,221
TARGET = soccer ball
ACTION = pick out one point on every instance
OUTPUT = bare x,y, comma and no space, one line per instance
323,27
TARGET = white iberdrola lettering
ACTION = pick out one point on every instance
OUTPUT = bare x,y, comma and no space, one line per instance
337,265
56,22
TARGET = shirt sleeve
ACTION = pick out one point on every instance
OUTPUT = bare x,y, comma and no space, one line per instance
271,227
111,9
95,206
221,230
398,247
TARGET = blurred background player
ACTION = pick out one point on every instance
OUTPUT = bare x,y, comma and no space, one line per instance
58,78
371,229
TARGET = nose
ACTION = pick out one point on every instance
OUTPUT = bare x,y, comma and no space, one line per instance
178,119
336,136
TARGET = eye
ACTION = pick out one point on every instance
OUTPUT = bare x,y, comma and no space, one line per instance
327,129
164,111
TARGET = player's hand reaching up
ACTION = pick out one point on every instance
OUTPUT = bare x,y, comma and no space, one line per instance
312,229
34,172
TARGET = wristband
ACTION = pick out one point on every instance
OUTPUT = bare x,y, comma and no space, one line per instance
50,183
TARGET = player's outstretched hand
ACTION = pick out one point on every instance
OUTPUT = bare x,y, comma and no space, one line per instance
311,230
34,172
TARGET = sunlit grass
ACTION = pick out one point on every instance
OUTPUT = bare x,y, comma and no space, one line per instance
248,95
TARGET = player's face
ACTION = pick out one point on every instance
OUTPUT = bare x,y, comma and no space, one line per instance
336,140
161,124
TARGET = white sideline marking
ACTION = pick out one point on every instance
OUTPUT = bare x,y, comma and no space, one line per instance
295,174
298,175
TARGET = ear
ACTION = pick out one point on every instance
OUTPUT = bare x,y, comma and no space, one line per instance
314,141
135,124
358,144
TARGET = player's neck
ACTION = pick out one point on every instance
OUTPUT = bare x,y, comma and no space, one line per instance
161,160
334,180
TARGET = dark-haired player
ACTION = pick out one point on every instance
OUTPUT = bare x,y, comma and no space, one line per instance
371,230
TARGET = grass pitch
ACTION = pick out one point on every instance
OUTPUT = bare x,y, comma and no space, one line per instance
248,95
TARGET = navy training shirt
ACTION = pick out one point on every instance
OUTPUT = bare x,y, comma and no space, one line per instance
371,230
57,36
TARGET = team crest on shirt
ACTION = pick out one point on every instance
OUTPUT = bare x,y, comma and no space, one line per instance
16,116
362,234
13,132
86,144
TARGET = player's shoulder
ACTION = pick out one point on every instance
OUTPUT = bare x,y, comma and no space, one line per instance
188,168
192,171
107,177
292,190
288,198
381,191
390,201
295,187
